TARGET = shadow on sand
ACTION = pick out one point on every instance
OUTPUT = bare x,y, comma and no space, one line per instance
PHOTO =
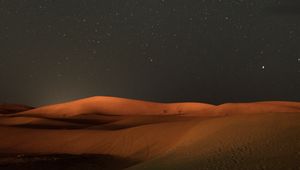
97,123
63,162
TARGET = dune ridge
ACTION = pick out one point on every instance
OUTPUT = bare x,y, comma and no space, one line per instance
120,106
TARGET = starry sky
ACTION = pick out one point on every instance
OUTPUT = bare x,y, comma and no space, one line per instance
212,51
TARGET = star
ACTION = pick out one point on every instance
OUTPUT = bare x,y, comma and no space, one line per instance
150,59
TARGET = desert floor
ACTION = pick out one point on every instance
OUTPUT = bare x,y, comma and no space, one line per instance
77,136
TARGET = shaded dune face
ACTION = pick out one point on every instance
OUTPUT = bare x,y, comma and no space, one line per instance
64,161
120,106
13,108
258,108
99,132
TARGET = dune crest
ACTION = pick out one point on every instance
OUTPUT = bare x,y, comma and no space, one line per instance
120,106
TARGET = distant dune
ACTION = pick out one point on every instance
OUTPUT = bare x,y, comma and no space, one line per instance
116,133
13,108
124,107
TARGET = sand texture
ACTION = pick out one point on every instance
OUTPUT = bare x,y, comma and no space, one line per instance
116,133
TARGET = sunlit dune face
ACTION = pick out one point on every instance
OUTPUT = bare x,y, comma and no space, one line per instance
120,106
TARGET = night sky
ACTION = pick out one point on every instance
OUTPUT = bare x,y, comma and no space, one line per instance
212,51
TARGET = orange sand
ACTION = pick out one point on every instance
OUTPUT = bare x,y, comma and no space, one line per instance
262,135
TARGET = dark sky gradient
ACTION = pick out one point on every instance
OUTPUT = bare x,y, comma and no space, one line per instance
211,51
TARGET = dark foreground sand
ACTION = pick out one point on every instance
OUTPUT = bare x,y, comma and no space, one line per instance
114,133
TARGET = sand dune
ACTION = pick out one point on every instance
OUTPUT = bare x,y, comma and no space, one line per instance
120,106
147,135
13,108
